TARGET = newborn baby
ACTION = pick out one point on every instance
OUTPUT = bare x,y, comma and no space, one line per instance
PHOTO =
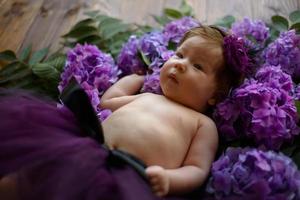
169,132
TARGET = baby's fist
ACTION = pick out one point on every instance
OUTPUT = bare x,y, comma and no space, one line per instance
158,179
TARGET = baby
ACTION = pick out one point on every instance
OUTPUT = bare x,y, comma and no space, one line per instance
169,132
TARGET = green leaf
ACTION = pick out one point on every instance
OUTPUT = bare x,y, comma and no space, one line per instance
142,29
92,39
144,58
25,53
27,82
85,22
173,13
295,16
280,23
81,31
172,46
38,56
274,33
20,74
101,18
107,22
115,47
297,104
45,70
162,20
92,14
55,55
7,55
251,38
296,27
186,9
58,62
114,29
10,69
226,21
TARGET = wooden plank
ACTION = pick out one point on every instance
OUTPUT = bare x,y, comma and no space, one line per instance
255,9
55,18
16,17
199,8
42,22
134,11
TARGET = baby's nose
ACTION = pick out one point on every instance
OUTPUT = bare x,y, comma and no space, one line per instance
180,66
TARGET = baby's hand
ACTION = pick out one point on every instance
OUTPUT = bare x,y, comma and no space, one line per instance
158,179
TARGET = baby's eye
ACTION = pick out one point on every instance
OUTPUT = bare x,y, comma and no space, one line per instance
179,55
198,66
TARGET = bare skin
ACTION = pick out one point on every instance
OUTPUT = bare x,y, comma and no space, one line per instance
168,132
8,187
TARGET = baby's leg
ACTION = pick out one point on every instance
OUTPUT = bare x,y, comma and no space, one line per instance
8,188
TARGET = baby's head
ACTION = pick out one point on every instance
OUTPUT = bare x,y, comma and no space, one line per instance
197,75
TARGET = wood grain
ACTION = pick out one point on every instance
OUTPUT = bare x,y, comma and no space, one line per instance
55,17
42,22
16,20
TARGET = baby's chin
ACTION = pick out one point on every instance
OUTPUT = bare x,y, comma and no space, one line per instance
199,107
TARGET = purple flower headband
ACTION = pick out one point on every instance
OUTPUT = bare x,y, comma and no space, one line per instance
236,55
235,52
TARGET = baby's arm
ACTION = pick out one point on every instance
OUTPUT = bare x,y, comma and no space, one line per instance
196,165
122,92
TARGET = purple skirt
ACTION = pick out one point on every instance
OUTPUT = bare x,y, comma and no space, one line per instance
47,156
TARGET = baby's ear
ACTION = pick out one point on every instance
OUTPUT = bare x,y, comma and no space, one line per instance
212,102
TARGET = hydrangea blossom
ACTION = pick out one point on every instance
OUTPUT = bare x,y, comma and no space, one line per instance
128,59
261,109
94,71
255,32
254,174
274,77
103,114
236,55
285,51
151,82
175,30
152,45
297,93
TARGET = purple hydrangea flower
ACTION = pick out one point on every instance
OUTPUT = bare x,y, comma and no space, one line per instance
261,109
103,114
275,77
128,59
236,55
254,32
254,174
285,51
297,92
92,93
95,71
154,47
175,30
151,82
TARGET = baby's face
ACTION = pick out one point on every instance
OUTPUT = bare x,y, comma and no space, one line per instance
189,77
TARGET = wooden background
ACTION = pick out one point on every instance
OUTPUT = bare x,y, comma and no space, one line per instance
42,22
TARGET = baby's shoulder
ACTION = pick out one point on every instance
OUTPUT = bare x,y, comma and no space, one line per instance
205,121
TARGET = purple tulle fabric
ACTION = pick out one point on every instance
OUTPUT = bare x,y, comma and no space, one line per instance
48,157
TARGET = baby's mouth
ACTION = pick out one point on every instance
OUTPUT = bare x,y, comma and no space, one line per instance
173,77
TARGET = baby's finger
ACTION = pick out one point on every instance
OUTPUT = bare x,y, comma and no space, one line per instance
154,180
160,193
156,188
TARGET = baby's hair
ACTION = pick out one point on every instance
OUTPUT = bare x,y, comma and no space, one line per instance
226,77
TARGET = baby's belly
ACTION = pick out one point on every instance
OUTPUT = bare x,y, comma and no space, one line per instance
149,139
